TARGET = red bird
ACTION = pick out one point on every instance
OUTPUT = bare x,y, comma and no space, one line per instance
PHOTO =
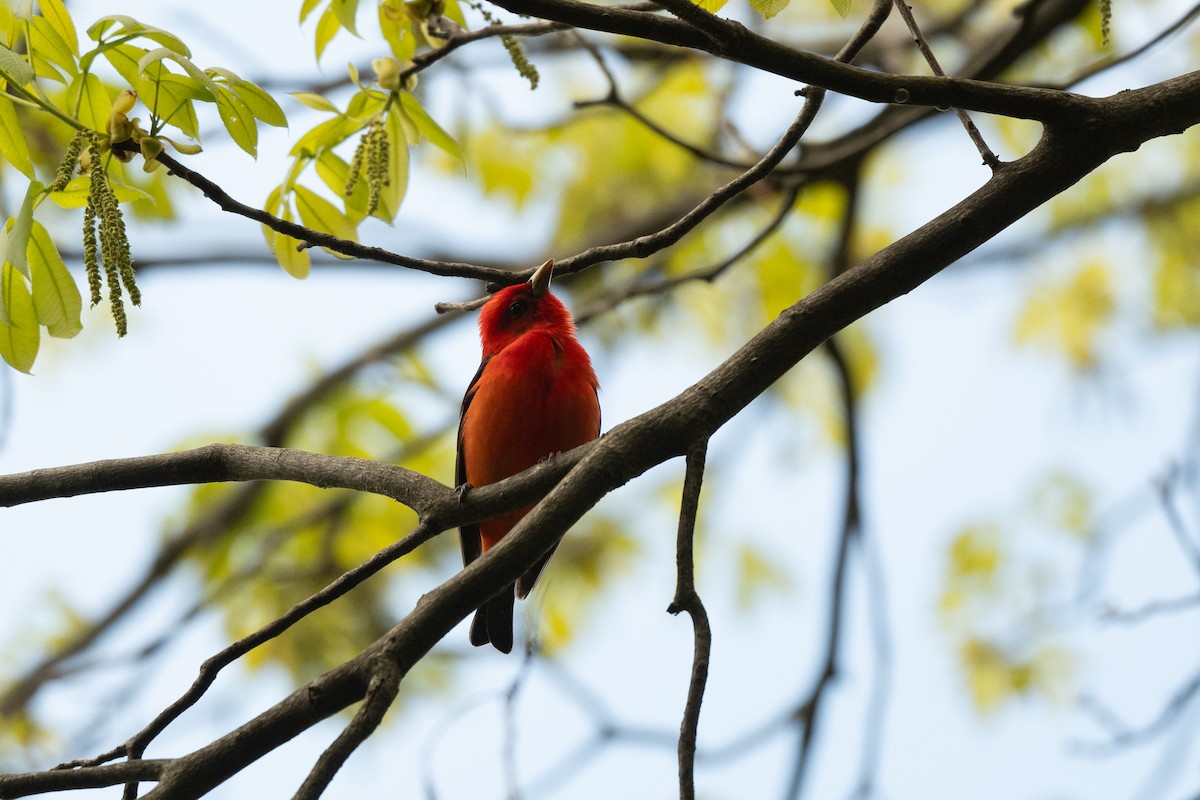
535,395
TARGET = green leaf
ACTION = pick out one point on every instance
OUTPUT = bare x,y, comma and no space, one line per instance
397,185
842,7
131,27
321,215
156,56
307,8
768,8
124,59
315,102
17,69
712,6
261,104
428,128
46,42
75,195
365,105
295,262
56,298
238,120
19,331
89,100
347,13
18,234
171,98
397,30
335,172
12,139
56,14
329,133
327,28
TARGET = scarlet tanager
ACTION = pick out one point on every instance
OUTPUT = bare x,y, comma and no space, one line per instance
535,395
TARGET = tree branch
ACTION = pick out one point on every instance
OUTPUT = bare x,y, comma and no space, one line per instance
732,41
687,599
31,783
381,692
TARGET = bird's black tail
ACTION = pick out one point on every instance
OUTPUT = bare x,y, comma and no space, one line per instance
494,622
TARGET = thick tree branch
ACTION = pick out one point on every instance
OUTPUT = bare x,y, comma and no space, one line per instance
221,462
31,783
732,41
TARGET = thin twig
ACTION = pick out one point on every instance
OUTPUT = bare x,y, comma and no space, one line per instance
687,599
709,274
1152,609
615,100
381,692
346,247
1175,523
136,745
989,158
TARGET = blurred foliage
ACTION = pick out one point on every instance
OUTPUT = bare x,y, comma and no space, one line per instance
1069,317
1003,595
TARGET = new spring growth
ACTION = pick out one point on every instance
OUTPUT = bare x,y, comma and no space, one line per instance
123,129
105,243
372,158
516,53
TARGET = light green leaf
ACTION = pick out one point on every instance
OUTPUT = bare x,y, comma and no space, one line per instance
711,6
397,185
56,14
46,42
124,59
17,69
397,31
321,215
261,104
327,28
768,8
295,262
238,119
315,102
18,234
347,13
131,27
89,100
329,133
428,128
366,104
56,298
171,98
75,195
842,7
335,172
156,56
12,139
19,331
307,7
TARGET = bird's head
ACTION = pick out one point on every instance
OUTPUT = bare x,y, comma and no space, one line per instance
515,310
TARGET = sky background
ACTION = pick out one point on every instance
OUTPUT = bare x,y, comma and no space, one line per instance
960,428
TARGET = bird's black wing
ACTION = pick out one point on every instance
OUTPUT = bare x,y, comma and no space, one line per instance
468,535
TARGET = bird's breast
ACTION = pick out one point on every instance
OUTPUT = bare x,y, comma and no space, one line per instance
534,398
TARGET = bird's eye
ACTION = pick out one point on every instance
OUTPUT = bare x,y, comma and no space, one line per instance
517,308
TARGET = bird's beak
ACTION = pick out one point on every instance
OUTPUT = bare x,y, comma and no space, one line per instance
540,282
